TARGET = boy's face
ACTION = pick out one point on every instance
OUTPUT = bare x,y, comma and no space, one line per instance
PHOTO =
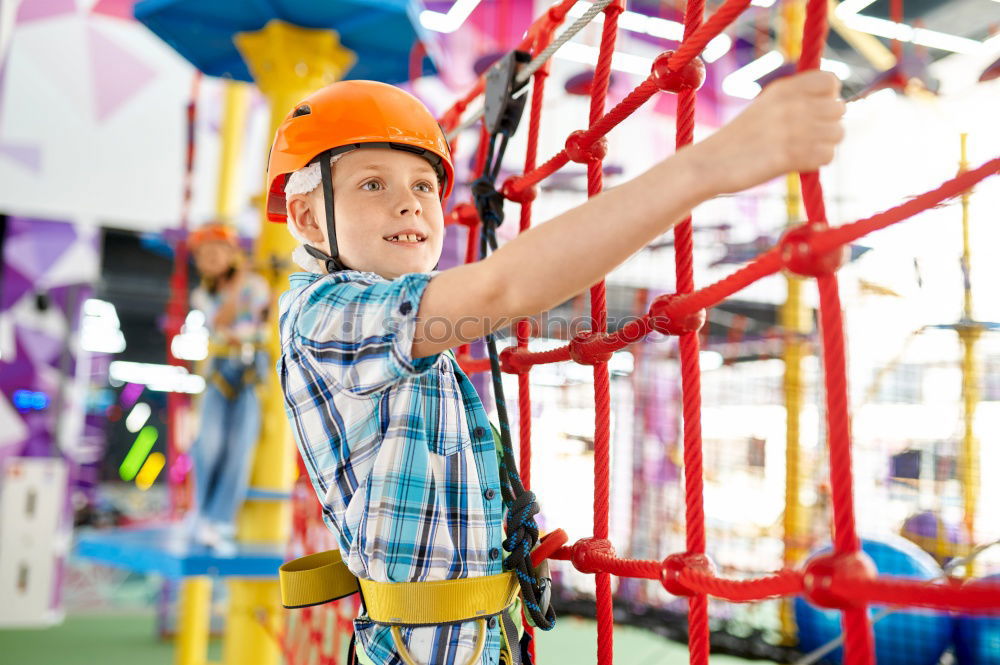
387,212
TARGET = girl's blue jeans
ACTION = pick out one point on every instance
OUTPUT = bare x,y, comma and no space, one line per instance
230,424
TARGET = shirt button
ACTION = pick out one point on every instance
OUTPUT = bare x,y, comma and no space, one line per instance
489,494
479,432
405,308
494,554
492,623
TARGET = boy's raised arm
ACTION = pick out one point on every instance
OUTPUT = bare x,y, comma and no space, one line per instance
794,125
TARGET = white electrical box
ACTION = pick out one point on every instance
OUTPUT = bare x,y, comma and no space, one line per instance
34,538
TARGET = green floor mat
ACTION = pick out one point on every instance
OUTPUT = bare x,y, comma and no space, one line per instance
129,640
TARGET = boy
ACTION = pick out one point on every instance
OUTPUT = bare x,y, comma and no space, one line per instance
395,440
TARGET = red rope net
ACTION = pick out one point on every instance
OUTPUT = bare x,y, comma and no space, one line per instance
843,579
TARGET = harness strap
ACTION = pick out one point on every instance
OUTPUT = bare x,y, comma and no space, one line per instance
315,579
324,577
434,603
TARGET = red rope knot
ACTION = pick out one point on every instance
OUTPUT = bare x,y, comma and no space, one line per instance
557,13
799,255
584,551
826,575
511,361
690,77
512,190
464,214
675,564
667,316
582,348
580,151
615,8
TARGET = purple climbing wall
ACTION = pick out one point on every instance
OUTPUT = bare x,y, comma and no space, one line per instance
49,269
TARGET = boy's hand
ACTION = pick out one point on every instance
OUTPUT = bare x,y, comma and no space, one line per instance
793,125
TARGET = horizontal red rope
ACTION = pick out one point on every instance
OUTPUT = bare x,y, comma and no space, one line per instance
782,583
766,264
692,46
527,359
827,240
634,568
980,597
532,42
969,597
686,52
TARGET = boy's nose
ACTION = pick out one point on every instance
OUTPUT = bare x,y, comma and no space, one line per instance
410,205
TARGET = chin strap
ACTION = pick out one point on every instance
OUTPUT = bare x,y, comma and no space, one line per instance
330,261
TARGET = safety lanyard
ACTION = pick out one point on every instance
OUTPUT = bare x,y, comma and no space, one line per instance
503,113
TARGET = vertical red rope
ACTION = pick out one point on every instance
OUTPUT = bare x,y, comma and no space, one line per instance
698,631
602,381
859,645
523,328
179,492
472,244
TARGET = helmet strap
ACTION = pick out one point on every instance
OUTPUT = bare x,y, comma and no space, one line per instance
332,260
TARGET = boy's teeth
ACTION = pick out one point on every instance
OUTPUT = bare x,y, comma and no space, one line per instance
405,237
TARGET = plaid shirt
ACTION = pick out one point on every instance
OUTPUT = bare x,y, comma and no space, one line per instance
399,450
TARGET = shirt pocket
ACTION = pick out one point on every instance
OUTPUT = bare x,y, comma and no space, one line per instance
443,412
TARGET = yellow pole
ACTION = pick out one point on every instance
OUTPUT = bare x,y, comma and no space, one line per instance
193,618
234,124
796,322
287,63
968,333
195,599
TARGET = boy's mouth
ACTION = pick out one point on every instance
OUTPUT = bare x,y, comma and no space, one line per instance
406,238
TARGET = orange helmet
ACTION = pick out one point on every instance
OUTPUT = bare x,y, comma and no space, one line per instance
212,232
348,115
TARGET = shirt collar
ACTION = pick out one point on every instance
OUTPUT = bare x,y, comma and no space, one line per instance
300,279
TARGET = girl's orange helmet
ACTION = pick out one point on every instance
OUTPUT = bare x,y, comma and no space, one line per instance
213,232
351,114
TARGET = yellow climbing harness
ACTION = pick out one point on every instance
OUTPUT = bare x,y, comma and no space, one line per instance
324,577
249,377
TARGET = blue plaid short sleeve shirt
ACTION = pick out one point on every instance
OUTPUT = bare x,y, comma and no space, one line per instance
399,450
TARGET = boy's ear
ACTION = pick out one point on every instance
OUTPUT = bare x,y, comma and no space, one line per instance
300,215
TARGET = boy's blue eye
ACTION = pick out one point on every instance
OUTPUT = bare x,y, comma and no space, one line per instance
368,186
424,187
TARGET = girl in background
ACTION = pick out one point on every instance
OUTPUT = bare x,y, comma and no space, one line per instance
235,303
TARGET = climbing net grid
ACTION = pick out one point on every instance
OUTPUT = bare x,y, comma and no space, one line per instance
843,579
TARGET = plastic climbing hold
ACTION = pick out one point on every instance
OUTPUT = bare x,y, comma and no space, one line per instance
581,349
674,564
580,152
690,77
583,552
665,319
799,256
512,192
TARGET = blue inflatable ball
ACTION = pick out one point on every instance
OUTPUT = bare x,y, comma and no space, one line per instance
977,639
913,637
